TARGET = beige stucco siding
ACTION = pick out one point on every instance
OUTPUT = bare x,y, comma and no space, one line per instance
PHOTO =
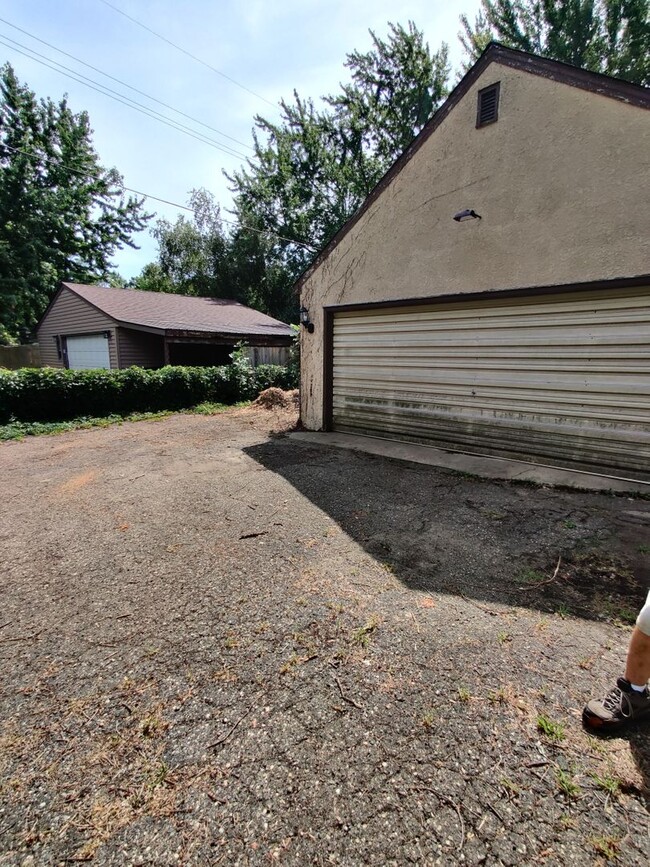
560,181
71,315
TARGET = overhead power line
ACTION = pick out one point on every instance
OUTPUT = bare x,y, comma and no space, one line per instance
125,84
188,53
118,97
175,204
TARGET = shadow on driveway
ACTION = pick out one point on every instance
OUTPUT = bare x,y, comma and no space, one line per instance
495,542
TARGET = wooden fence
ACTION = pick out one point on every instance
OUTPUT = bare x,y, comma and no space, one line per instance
15,357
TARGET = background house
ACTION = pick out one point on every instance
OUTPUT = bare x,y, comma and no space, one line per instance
96,327
523,329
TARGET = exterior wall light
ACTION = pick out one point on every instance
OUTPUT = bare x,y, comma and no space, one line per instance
467,214
305,320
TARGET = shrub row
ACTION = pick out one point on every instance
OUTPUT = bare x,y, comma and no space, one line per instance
50,394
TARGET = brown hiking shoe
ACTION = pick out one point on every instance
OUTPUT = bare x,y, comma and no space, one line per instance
622,706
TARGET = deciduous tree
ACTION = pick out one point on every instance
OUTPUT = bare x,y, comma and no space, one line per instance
62,215
610,36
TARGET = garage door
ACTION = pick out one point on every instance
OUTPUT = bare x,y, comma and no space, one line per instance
88,351
560,379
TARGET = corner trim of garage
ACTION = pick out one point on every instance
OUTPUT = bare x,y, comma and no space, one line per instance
473,464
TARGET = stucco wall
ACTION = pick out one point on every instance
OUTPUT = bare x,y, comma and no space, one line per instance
560,181
70,315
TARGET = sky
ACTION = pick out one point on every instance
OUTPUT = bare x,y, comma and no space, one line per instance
259,52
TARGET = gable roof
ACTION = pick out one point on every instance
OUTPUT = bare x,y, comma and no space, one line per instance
595,82
167,312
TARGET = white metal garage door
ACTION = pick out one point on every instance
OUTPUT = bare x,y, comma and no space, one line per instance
561,379
88,352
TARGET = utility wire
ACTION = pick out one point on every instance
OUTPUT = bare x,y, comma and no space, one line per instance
188,53
122,98
124,83
175,204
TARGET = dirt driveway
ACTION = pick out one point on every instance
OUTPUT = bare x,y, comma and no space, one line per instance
223,647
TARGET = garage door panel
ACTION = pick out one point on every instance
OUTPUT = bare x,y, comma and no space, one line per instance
540,379
579,449
88,352
620,412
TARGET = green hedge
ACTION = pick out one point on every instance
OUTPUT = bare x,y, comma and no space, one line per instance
50,394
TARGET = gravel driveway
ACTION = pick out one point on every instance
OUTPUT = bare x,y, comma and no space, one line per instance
219,645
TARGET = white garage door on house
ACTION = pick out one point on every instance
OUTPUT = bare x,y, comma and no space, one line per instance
562,379
88,351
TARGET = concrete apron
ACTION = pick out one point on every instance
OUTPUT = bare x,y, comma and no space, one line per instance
478,465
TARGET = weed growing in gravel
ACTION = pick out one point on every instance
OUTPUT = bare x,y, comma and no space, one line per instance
553,731
566,822
428,719
569,525
290,664
498,696
464,694
563,611
566,785
597,745
494,516
644,549
608,846
159,776
225,675
504,637
586,663
609,784
510,788
530,576
363,635
150,726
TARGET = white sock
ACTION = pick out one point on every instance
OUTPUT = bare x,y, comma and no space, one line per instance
637,688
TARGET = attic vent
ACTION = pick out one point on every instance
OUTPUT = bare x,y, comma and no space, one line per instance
488,105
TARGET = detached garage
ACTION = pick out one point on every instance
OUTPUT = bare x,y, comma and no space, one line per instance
493,293
97,327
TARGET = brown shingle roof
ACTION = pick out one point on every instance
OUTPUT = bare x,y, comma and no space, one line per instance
179,312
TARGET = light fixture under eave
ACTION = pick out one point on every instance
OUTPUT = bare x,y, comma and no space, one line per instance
467,214
305,320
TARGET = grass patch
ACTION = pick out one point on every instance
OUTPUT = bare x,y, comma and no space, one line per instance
18,430
608,846
566,785
530,576
553,731
609,784
363,635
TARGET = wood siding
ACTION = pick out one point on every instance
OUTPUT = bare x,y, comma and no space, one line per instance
70,315
562,379
268,355
140,348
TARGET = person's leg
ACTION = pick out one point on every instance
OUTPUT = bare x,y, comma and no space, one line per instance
637,670
629,701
